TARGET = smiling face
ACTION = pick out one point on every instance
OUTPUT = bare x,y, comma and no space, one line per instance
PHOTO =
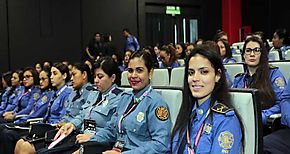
252,58
138,74
201,77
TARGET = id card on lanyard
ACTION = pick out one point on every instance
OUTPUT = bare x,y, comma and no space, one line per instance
198,135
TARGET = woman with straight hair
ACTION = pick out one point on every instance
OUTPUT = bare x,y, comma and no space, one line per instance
259,74
207,121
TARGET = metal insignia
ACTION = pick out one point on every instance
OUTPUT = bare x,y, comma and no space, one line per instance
140,116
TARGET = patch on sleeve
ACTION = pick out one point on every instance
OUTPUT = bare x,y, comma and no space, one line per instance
35,96
162,113
226,141
43,99
280,83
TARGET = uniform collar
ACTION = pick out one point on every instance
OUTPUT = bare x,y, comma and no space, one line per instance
84,87
109,89
140,93
202,109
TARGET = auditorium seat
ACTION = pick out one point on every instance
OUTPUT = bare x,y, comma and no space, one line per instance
246,103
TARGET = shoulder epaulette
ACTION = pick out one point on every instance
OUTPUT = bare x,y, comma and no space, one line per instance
239,74
90,88
221,108
272,66
117,91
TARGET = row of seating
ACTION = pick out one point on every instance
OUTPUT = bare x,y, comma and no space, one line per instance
161,77
245,104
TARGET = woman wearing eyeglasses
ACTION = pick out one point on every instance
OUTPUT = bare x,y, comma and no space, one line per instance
29,94
259,74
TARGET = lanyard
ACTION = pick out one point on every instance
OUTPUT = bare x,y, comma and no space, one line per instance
197,138
133,107
28,91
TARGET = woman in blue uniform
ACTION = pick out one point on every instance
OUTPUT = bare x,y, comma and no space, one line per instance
207,122
225,52
55,109
260,75
29,94
6,81
98,109
141,123
14,93
10,136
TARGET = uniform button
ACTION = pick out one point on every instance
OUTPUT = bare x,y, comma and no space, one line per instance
99,110
200,111
134,130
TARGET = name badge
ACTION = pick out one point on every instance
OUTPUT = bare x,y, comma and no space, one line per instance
119,145
89,126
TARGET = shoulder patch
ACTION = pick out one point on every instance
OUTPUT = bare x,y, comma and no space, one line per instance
239,74
117,91
162,113
221,108
272,66
280,83
91,88
36,96
226,141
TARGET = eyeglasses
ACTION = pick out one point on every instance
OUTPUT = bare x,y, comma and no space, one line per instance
256,51
42,79
27,76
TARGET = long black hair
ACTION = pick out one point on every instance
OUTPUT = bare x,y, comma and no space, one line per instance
63,70
84,68
220,92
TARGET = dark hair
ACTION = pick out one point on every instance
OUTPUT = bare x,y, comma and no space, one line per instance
34,75
97,33
220,92
153,55
218,35
48,67
63,70
7,78
283,34
84,68
263,38
146,56
228,53
48,73
183,46
169,50
262,79
212,45
20,74
110,67
127,30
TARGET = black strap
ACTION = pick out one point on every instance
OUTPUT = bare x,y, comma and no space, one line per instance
49,108
77,96
98,99
130,105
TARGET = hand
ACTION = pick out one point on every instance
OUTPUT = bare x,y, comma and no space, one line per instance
66,129
81,138
9,116
7,113
110,152
76,152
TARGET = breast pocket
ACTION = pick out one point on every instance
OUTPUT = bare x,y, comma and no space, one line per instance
204,144
138,124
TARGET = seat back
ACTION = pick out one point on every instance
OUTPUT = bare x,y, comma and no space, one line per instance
174,99
181,62
246,103
160,77
283,67
287,54
274,55
177,77
124,79
238,45
238,58
234,69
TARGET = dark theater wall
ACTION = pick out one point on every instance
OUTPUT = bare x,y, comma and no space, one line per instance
59,30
